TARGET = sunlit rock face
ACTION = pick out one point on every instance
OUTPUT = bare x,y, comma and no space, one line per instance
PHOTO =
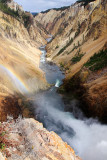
86,26
15,6
29,140
19,58
19,63
80,31
2,157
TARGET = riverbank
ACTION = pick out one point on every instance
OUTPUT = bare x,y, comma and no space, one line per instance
63,115
79,47
90,89
27,137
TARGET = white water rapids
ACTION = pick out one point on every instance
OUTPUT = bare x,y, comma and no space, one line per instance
87,136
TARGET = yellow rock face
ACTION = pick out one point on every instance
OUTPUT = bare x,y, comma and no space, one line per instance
65,24
19,58
80,32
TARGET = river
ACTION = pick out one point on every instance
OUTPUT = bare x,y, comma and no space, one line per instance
86,136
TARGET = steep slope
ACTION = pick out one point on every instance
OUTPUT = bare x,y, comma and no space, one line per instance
74,28
18,45
21,77
27,139
78,33
19,58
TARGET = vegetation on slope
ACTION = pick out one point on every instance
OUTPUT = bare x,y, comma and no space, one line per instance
85,1
68,44
5,1
24,17
34,13
3,136
77,58
7,10
71,40
56,9
98,61
28,19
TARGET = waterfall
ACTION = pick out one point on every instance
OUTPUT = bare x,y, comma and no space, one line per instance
87,136
57,83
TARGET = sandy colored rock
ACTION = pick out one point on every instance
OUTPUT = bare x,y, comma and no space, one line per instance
20,74
85,26
80,31
30,141
19,57
2,157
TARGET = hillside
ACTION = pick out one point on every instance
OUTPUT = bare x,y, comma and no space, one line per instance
20,38
20,79
79,32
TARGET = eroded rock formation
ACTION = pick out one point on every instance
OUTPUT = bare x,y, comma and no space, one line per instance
27,139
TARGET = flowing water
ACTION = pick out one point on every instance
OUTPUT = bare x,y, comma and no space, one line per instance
87,136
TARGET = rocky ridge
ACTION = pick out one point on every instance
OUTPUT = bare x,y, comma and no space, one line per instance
27,139
14,5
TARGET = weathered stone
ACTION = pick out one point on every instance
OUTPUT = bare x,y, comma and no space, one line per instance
31,141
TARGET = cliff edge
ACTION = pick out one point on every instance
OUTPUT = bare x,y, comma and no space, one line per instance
27,139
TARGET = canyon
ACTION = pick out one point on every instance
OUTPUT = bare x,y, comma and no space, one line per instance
51,77
21,77
78,33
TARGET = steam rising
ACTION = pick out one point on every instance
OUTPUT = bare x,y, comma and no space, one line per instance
87,137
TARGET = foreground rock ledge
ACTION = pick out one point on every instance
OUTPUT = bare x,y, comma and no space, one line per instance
28,140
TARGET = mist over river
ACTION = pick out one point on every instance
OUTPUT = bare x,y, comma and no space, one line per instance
86,136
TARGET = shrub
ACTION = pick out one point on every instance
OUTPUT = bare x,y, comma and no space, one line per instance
57,47
61,50
71,30
4,8
98,61
67,45
57,9
28,19
77,58
85,1
61,65
3,137
5,1
60,31
78,30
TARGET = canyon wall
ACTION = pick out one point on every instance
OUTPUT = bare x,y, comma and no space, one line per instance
79,32
19,59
